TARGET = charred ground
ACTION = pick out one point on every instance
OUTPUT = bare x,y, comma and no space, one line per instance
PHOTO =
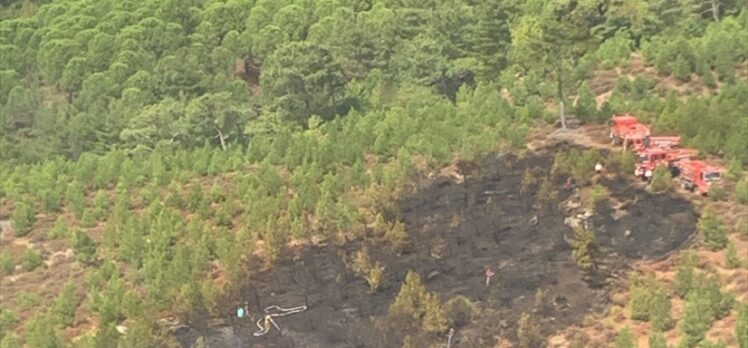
456,230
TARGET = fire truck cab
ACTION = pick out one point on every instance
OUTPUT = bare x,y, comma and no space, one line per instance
698,176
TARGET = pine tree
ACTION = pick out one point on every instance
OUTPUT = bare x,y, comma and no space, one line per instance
24,216
741,191
625,339
731,256
89,218
660,314
598,198
547,194
40,333
696,320
434,318
397,236
460,311
657,340
528,332
59,229
51,200
65,306
10,341
684,279
741,326
101,204
662,179
713,230
7,264
649,301
84,247
8,321
586,106
710,344
31,260
415,307
75,198
682,69
583,245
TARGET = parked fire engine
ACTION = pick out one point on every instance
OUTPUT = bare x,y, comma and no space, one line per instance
627,131
655,151
665,142
698,176
649,159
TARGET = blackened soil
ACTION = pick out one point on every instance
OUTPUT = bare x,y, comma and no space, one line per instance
455,232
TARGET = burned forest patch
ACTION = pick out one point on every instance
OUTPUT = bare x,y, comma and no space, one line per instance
455,232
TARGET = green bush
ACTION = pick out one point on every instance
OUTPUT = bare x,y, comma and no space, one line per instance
662,179
7,264
547,194
84,247
625,339
713,230
622,161
735,170
59,229
741,326
741,191
598,197
31,260
684,279
24,216
696,320
65,306
10,341
460,311
101,204
51,200
717,193
40,333
528,332
397,236
731,256
681,69
650,302
89,218
578,164
75,198
657,340
586,105
615,50
8,320
710,344
583,245
27,300
415,307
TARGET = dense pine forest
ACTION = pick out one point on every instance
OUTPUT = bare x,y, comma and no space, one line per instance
167,142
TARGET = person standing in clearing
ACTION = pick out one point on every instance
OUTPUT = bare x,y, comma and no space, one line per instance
489,274
598,167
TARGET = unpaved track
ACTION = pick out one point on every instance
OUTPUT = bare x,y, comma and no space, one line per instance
494,231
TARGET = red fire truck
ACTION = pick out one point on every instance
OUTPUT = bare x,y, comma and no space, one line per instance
665,142
698,176
626,129
649,159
